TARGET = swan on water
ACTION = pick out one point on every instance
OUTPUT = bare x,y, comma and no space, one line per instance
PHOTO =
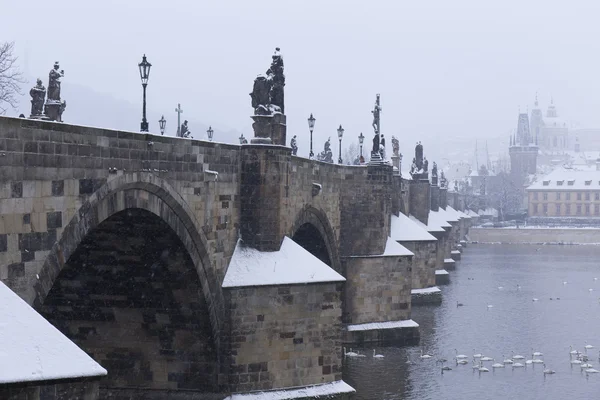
459,356
482,368
479,355
507,360
377,355
537,361
517,365
462,361
588,346
497,365
586,365
573,352
534,299
350,353
575,361
536,353
517,357
548,371
459,304
591,371
486,358
424,356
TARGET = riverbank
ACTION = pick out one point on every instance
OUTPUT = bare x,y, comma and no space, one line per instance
535,235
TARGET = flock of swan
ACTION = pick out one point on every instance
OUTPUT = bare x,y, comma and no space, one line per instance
576,358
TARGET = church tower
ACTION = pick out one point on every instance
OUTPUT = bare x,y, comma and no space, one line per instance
536,123
523,151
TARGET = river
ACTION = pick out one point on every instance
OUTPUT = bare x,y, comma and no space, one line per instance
508,278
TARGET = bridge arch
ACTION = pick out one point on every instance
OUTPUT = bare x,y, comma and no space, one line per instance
313,231
150,199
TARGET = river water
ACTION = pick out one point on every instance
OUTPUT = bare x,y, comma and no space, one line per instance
508,278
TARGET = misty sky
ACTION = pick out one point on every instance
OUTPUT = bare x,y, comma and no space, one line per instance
444,68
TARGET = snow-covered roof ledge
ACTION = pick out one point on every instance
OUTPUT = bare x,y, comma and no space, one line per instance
441,272
34,350
291,264
406,323
426,291
392,249
404,229
325,390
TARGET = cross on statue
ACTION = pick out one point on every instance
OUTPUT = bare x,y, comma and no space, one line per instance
178,110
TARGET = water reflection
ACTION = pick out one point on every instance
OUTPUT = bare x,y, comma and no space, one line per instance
509,277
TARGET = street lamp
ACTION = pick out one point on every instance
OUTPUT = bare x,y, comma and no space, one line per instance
144,75
340,134
210,133
311,126
361,139
162,122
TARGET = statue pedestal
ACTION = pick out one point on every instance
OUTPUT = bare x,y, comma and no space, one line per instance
376,159
269,129
420,176
396,165
53,110
40,116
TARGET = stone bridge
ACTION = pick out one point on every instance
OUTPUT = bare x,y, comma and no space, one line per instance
125,242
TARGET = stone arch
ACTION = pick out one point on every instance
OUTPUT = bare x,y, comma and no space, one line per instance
148,192
318,220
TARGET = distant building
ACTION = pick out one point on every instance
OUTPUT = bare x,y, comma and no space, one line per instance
566,192
523,150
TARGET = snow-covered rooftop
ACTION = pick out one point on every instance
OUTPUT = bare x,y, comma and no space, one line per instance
392,249
404,229
321,391
568,179
34,350
457,213
291,264
426,291
471,213
406,323
448,215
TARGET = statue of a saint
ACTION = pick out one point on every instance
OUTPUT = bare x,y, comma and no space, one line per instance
425,165
185,132
434,169
277,78
419,155
326,155
443,181
413,167
382,147
37,93
294,145
375,144
54,83
376,111
395,146
260,96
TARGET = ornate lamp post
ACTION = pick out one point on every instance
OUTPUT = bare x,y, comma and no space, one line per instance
162,122
311,126
144,75
340,132
361,140
210,132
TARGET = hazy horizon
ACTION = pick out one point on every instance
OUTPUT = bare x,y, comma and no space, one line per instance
445,71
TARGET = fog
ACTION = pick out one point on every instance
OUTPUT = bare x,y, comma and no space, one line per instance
448,72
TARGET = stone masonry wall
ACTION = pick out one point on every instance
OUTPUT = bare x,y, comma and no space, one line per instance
48,170
377,289
80,389
441,248
420,200
285,336
424,263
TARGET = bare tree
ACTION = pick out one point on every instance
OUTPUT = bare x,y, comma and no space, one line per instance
350,153
10,78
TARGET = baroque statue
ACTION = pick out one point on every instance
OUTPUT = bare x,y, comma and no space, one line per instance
434,171
267,93
419,156
294,145
54,83
37,93
382,147
55,107
185,132
425,164
395,146
326,155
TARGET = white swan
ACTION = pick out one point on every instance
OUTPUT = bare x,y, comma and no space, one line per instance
477,355
424,356
500,288
536,353
548,371
486,358
482,368
576,362
591,371
588,346
507,360
517,357
377,355
537,361
586,365
573,352
534,299
350,353
459,356
408,359
462,361
497,365
517,365
490,306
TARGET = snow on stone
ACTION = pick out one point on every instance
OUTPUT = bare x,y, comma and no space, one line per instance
458,214
393,248
34,350
448,260
406,323
431,227
448,215
441,272
291,264
404,229
490,211
429,290
324,390
439,219
455,252
471,213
